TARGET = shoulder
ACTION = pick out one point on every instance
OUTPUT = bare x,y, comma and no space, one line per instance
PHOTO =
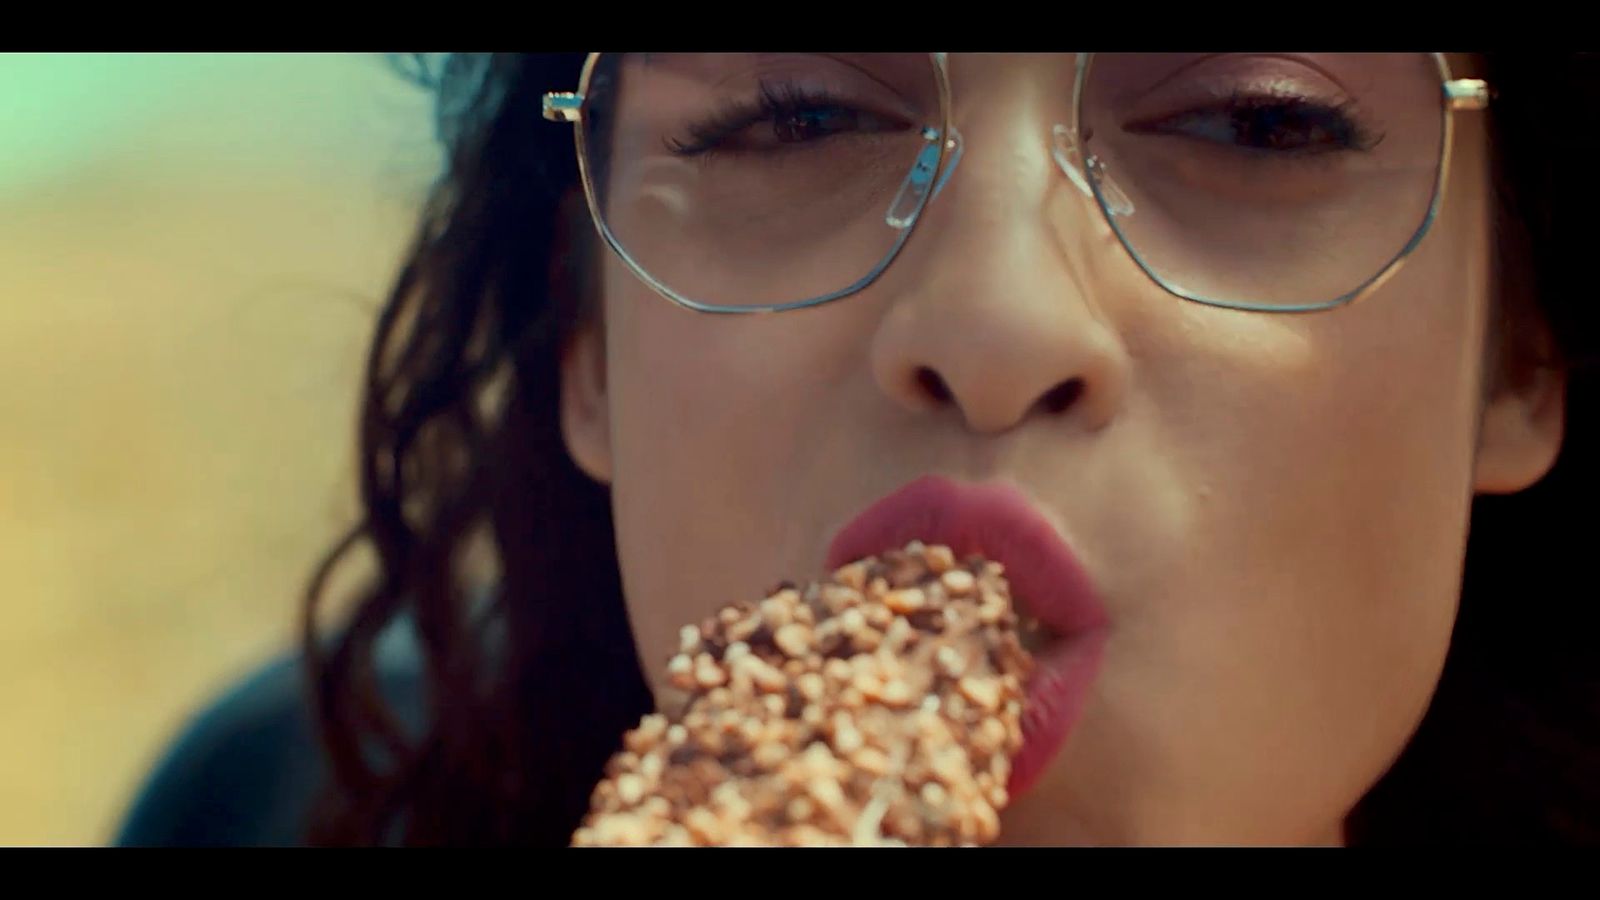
245,770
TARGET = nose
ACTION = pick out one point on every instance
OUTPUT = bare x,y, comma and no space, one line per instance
994,313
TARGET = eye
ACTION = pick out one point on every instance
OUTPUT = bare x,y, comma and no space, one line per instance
783,113
1266,123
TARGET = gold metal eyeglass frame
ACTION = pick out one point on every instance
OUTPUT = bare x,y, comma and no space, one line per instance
1457,95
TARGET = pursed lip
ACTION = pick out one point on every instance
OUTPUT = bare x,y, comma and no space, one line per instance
993,519
997,521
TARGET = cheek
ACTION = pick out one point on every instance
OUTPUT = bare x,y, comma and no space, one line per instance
1285,608
712,435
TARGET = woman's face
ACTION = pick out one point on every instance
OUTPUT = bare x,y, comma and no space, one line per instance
1273,507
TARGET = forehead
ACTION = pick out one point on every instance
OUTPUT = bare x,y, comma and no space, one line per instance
710,65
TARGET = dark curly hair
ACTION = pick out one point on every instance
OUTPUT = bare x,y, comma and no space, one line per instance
502,552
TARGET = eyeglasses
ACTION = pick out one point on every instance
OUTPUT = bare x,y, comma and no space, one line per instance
760,182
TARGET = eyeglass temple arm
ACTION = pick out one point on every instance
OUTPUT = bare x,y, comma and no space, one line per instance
1466,94
563,106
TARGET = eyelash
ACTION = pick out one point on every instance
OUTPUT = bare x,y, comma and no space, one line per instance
786,99
776,100
1349,131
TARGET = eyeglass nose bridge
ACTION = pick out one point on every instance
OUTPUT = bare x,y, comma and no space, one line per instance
1064,149
908,201
918,184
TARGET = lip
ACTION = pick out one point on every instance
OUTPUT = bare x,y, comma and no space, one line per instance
996,520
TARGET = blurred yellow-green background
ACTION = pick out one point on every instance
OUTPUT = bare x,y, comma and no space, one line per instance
192,248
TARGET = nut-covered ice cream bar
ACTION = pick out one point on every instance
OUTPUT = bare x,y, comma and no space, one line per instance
878,706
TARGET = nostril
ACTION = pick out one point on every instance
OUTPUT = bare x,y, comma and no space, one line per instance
1062,396
932,384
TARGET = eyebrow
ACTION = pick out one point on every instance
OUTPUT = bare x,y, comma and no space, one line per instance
902,66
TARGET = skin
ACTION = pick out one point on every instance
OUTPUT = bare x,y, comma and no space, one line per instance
1274,507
